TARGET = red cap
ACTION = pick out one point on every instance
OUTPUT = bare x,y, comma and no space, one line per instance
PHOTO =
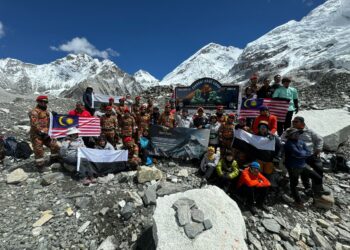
126,110
122,99
138,97
111,99
42,98
108,108
127,139
231,115
200,109
220,107
254,77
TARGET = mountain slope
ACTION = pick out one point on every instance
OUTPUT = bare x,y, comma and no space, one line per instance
213,60
71,73
145,79
306,49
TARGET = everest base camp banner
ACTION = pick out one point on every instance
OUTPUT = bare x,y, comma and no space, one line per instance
260,147
96,162
98,99
178,143
207,93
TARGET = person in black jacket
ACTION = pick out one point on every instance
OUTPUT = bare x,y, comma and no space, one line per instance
87,99
266,90
200,120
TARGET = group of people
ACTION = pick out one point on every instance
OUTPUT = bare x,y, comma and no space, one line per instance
127,123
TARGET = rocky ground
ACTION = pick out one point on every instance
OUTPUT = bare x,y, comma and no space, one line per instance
53,211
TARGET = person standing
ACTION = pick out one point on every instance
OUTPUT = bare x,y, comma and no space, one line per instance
200,120
290,93
79,111
167,119
183,120
226,134
214,126
109,126
39,128
277,83
265,116
266,90
314,143
88,100
127,124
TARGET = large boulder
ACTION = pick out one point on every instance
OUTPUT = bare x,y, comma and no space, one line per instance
228,229
332,124
17,176
145,174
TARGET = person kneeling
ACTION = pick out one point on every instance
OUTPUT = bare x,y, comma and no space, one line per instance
227,170
70,145
253,186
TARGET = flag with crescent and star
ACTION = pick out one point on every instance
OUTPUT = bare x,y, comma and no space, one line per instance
250,108
88,126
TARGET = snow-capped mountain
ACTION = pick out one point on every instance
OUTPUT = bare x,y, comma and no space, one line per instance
145,79
71,73
213,60
304,49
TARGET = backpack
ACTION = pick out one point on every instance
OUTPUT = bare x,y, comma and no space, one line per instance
18,150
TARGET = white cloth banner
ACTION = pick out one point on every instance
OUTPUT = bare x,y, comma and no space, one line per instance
98,155
97,97
258,142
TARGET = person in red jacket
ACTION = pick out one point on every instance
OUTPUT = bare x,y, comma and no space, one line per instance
253,186
265,116
79,110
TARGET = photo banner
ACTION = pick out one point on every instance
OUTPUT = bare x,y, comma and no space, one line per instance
208,93
178,143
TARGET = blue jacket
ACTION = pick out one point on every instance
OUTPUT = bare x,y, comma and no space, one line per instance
296,153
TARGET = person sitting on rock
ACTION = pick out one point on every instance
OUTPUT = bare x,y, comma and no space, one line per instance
102,143
209,162
314,143
253,186
296,153
70,145
133,152
227,171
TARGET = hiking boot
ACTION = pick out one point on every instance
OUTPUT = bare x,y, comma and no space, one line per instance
319,191
86,181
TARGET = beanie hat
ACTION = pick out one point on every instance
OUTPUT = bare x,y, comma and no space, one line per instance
127,139
254,164
111,99
41,98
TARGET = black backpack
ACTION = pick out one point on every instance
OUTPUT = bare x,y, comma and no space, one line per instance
18,150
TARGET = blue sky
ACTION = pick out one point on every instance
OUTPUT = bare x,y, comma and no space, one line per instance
155,35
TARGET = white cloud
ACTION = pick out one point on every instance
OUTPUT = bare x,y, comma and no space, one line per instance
2,30
82,45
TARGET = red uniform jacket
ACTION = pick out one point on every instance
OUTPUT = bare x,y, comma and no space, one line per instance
271,119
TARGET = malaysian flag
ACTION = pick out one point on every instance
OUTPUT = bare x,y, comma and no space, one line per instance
88,126
251,107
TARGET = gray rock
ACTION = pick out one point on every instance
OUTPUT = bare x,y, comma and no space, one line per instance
128,210
150,195
207,224
197,215
84,227
17,176
183,214
105,179
323,223
110,243
51,178
271,225
82,202
183,173
167,188
256,243
325,202
135,197
104,211
320,240
193,229
145,174
184,202
172,164
296,232
344,233
288,246
332,216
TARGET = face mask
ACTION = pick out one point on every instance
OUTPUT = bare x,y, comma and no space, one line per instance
42,107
